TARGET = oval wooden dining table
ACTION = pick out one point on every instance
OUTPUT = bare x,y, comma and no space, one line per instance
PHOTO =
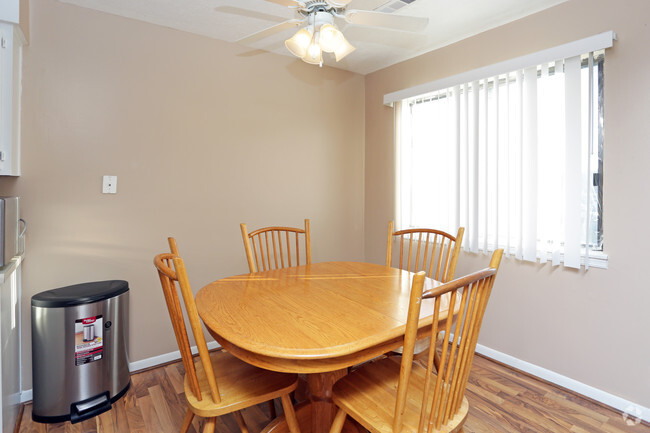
316,319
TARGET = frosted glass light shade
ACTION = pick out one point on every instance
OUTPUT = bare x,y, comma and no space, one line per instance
330,38
299,42
321,35
313,54
343,50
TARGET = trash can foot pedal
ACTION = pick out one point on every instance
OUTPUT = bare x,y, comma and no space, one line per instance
90,407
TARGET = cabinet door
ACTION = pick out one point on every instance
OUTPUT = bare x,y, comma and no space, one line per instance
10,10
11,42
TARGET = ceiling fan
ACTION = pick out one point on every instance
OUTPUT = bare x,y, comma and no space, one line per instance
319,32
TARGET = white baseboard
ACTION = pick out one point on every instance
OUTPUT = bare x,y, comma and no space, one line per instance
26,396
164,358
135,366
632,411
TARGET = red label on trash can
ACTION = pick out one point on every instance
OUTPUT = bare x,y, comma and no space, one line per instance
89,341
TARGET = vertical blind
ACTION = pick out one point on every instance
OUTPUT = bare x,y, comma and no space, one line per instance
512,157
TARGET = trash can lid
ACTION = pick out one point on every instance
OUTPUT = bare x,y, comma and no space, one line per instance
85,293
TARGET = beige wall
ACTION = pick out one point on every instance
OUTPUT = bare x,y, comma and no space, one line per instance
201,134
590,326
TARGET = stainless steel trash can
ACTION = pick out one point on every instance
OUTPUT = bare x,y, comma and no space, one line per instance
79,350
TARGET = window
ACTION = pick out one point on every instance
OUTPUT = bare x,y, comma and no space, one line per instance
515,158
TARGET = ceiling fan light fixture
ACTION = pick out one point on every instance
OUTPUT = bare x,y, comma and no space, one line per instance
299,43
331,38
320,32
343,50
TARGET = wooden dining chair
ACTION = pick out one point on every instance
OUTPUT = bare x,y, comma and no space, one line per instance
423,249
423,399
276,247
173,247
216,383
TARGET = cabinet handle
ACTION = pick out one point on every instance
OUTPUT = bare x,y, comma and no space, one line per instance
21,236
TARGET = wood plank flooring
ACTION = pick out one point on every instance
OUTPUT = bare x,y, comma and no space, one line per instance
501,400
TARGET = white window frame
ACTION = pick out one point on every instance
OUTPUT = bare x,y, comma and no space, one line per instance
594,43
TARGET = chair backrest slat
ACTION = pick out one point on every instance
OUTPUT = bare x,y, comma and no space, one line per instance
288,242
463,301
281,252
409,344
167,275
430,360
173,248
173,277
271,247
424,249
266,239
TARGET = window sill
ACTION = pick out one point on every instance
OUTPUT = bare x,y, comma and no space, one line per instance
597,259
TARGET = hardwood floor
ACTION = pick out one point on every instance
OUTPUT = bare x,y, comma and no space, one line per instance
501,400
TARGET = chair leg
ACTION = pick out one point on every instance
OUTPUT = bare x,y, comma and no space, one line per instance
290,414
187,422
240,422
272,409
440,338
210,424
436,361
339,420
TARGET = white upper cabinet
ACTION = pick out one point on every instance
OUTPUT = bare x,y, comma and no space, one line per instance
10,11
11,43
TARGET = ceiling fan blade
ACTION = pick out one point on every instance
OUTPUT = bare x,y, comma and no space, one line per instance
368,5
288,3
338,3
391,21
269,31
233,10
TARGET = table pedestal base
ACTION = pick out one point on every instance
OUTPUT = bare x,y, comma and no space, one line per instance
317,413
305,419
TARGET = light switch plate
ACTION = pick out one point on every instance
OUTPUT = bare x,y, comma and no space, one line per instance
109,185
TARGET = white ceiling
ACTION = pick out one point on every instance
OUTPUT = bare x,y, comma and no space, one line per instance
230,20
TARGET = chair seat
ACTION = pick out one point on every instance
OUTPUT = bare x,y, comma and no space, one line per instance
369,393
241,385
